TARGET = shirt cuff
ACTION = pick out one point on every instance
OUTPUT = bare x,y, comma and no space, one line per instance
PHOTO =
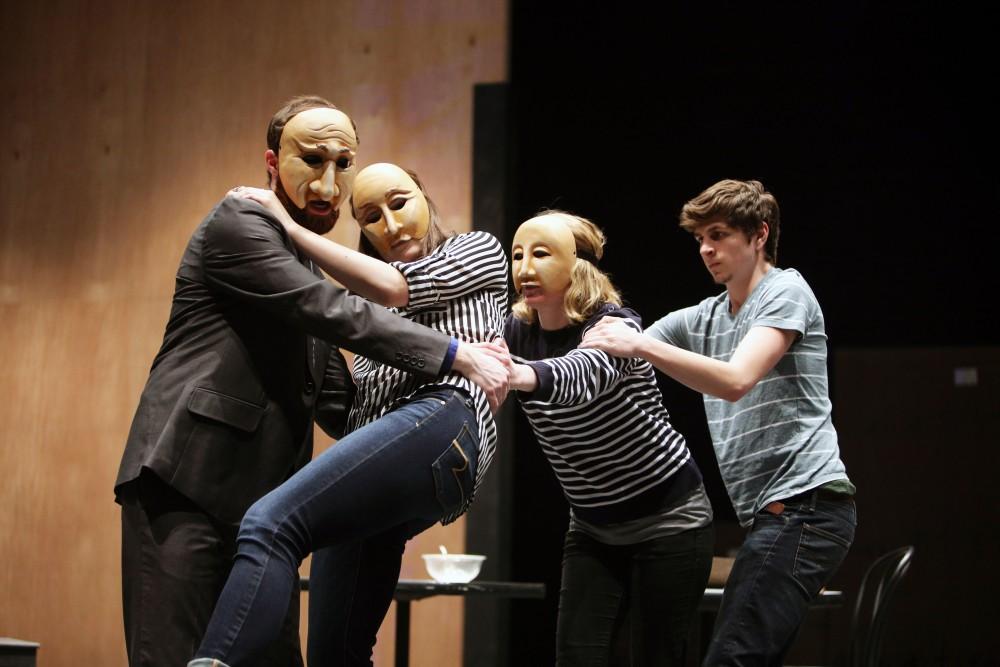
546,382
449,357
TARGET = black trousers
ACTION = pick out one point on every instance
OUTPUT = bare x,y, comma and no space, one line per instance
656,585
175,561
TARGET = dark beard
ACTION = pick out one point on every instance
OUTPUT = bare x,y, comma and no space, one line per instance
321,224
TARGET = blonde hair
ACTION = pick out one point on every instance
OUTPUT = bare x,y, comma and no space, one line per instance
589,287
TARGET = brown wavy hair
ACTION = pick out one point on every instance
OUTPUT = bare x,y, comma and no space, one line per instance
589,288
745,205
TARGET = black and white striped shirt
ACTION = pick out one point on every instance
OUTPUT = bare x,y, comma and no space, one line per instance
601,423
460,289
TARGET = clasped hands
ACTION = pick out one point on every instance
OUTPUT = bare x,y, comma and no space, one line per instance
496,373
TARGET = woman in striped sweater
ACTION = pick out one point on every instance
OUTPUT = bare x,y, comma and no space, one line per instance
640,529
416,453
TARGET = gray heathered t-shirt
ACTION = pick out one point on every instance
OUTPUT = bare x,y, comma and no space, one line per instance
778,440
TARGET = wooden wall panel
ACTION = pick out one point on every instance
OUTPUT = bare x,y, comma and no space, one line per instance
124,123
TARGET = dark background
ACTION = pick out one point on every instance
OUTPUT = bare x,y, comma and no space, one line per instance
871,126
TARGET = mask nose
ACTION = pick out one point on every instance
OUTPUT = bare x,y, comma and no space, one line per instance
526,269
326,185
392,226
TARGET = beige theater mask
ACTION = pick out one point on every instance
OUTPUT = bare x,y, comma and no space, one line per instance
315,165
392,211
542,260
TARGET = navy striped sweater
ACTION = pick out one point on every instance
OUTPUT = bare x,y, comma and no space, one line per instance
601,423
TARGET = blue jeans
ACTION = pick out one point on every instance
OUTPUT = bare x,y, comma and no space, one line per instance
782,565
657,584
360,501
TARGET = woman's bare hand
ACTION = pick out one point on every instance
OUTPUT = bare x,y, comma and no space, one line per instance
269,200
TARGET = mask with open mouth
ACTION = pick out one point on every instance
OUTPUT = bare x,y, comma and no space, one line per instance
315,166
542,260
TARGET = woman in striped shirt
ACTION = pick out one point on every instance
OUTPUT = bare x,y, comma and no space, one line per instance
416,453
640,531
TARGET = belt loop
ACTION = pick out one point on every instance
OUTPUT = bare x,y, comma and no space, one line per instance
813,495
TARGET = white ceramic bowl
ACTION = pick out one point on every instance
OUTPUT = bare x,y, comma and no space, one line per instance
453,568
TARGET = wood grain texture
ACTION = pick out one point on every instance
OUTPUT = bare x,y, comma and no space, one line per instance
124,123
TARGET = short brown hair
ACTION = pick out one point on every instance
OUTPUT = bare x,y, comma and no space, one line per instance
745,205
292,107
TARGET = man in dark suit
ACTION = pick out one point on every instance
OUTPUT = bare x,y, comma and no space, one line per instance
248,359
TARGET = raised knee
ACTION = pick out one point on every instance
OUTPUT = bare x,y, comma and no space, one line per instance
259,520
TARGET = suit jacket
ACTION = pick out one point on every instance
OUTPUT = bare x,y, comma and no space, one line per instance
247,360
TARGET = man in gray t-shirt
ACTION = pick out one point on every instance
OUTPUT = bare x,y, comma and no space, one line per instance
757,352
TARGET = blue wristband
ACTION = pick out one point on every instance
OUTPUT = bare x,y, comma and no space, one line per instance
449,357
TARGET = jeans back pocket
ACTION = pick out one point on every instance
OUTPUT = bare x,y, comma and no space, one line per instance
455,474
820,552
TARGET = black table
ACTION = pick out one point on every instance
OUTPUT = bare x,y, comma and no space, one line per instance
408,590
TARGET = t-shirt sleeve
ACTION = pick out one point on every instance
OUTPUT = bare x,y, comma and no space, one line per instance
674,328
787,305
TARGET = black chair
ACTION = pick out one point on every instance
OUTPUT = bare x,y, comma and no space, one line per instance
871,608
